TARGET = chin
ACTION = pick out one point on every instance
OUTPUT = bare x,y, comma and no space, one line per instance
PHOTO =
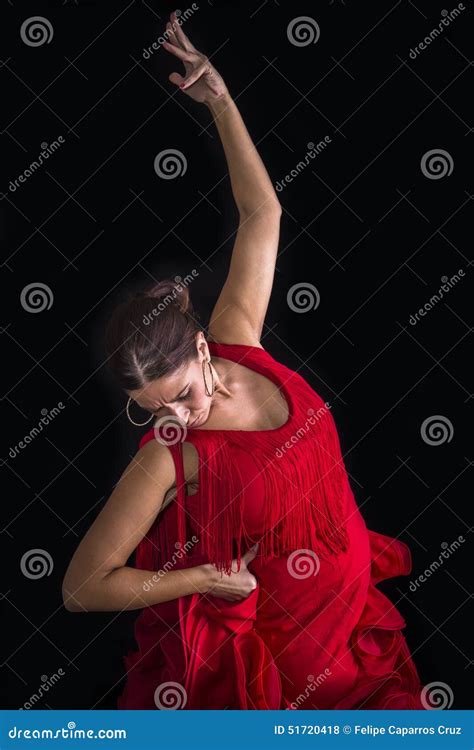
203,417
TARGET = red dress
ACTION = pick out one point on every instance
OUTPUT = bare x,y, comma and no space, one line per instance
316,633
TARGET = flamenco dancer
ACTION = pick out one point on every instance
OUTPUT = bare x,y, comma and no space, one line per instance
254,571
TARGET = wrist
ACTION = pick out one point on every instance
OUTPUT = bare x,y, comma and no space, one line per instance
208,576
218,104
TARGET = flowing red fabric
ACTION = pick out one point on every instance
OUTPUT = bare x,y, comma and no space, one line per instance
316,633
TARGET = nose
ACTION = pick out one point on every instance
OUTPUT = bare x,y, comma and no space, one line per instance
182,413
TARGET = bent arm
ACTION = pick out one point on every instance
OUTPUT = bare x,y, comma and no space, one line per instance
129,588
97,577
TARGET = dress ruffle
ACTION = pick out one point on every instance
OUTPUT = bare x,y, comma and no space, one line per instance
215,638
220,638
387,676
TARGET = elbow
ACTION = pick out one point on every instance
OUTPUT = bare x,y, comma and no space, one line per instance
273,205
278,207
81,594
71,604
72,596
270,207
75,594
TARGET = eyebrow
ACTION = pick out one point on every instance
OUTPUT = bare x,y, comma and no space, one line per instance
172,400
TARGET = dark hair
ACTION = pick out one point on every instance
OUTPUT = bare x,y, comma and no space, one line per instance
151,334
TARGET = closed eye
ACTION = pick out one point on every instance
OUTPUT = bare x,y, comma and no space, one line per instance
180,398
184,396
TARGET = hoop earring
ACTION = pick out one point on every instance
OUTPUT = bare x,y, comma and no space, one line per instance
137,424
209,393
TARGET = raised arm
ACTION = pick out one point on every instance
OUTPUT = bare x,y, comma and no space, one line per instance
240,310
239,313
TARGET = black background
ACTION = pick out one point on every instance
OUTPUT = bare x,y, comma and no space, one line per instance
362,223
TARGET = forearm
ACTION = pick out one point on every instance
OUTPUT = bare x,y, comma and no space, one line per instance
129,588
251,185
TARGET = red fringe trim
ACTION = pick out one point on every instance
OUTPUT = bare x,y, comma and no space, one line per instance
302,468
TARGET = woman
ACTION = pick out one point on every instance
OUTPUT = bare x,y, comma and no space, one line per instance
254,570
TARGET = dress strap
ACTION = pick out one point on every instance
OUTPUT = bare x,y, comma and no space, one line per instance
177,454
176,450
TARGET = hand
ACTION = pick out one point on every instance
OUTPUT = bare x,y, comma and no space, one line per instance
202,81
235,586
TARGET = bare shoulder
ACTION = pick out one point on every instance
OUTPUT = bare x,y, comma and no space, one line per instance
155,461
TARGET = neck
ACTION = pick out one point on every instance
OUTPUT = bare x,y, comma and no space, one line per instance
220,378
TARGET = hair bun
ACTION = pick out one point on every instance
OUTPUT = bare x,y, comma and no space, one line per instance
177,292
